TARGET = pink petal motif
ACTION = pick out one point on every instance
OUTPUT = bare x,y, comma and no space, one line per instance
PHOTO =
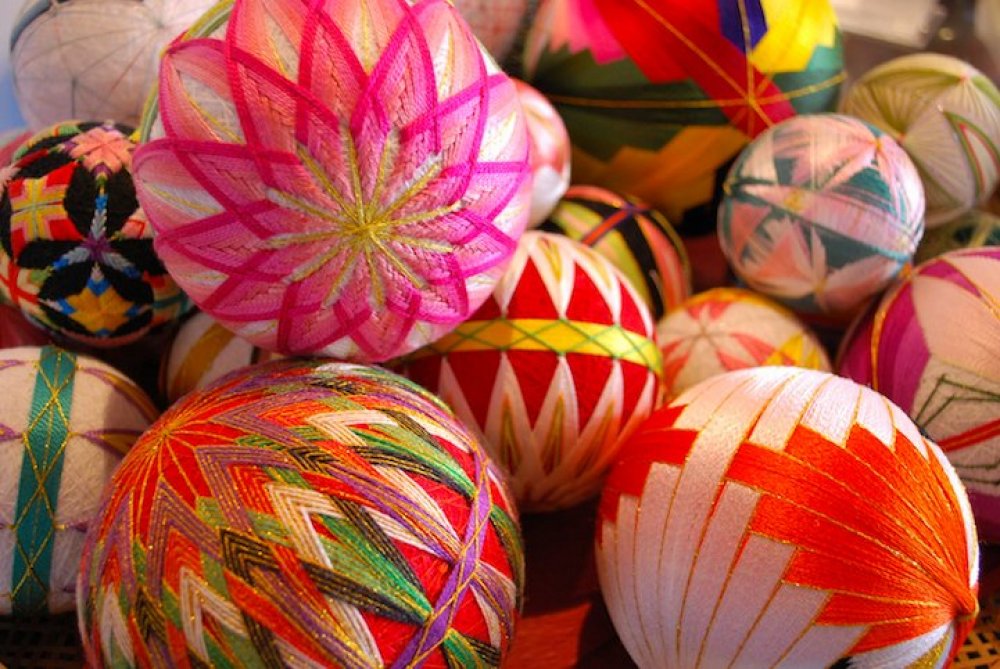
344,178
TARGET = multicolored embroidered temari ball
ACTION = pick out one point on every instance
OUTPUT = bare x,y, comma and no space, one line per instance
660,95
344,178
92,58
821,212
636,239
726,329
786,517
303,514
973,229
76,251
554,370
550,152
494,22
932,346
946,114
65,423
201,352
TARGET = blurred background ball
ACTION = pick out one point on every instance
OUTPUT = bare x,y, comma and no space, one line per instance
550,152
946,115
92,58
725,329
495,23
203,351
65,423
659,97
330,215
637,240
973,229
781,516
10,142
932,346
821,213
76,250
303,514
554,370
15,330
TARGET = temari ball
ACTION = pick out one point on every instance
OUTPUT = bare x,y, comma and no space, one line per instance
725,329
495,23
92,58
201,352
553,371
315,514
973,229
350,184
932,346
821,213
550,152
946,114
76,250
65,423
637,240
10,142
779,516
15,330
659,96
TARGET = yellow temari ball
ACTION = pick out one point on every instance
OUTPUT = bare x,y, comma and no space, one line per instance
726,329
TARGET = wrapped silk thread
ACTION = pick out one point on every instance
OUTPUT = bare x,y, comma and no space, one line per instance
781,516
358,209
326,514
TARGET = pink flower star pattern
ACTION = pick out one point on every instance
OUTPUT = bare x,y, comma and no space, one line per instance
344,178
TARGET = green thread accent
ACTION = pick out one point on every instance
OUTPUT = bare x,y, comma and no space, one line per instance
41,472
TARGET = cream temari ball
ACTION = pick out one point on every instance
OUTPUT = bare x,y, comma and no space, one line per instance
92,58
65,424
946,114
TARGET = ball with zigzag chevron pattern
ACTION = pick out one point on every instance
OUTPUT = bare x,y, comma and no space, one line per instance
637,239
821,213
66,421
554,370
76,250
203,351
92,58
303,514
660,96
785,517
725,329
946,115
352,185
931,346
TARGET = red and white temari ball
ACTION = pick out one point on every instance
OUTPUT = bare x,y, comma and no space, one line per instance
203,351
932,346
92,58
725,329
554,370
338,178
495,22
779,516
66,421
550,152
304,514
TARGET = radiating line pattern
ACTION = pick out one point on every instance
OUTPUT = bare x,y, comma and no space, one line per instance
931,345
304,514
345,178
781,517
553,371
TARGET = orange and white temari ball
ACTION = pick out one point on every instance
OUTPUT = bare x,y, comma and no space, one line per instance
553,371
725,329
786,517
202,352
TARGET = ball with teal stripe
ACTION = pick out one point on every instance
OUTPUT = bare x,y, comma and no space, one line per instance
66,421
822,212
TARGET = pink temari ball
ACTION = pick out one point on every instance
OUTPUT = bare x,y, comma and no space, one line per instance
342,178
932,346
494,22
550,152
